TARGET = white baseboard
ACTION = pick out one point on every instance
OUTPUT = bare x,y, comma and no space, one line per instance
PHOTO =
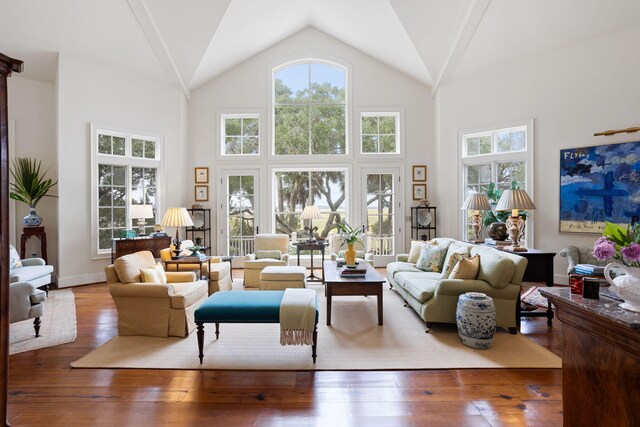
82,279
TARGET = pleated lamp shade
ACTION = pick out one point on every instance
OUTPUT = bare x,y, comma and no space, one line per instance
311,212
476,202
177,217
514,199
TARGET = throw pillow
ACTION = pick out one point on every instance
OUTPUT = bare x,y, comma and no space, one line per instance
451,262
431,258
268,254
466,268
154,274
414,252
14,258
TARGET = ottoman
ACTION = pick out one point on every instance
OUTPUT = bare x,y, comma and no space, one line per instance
277,278
242,307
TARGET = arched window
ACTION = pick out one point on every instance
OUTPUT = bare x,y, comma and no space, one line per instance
309,109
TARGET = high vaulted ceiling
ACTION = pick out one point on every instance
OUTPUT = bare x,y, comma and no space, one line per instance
187,43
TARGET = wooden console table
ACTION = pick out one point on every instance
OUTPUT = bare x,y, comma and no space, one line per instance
29,232
128,246
600,360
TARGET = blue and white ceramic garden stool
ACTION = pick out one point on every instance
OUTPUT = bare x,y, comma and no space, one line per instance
476,319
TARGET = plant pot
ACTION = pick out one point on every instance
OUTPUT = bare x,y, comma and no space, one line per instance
498,231
33,219
350,255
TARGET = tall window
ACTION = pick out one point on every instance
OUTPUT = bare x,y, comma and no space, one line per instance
295,189
125,169
380,132
498,156
240,134
380,213
309,109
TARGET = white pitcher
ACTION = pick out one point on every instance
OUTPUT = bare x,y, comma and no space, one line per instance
626,286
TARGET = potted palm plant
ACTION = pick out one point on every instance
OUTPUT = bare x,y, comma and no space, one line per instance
349,236
29,186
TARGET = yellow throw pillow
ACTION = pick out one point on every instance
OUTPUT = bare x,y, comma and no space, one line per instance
154,274
453,260
466,268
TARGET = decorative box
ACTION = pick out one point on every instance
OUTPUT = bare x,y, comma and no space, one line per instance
128,234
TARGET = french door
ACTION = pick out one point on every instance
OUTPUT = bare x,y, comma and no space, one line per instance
239,221
382,203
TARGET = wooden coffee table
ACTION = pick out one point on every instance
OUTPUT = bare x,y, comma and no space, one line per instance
336,285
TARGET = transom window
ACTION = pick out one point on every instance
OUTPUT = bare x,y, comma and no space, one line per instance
380,132
309,109
240,134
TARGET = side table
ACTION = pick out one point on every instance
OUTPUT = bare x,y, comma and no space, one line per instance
29,232
317,245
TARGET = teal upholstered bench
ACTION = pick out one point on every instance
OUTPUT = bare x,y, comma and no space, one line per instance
242,307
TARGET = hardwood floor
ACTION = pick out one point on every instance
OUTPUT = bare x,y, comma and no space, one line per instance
44,390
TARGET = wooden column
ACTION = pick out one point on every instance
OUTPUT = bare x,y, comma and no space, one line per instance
7,65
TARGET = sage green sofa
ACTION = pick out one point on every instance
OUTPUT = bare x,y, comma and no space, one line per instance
435,298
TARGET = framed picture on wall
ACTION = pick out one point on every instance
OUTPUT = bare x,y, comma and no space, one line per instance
202,193
202,175
419,173
419,191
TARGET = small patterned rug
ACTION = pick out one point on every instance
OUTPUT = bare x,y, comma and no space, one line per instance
532,299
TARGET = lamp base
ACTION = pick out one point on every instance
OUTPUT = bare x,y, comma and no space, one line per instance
515,249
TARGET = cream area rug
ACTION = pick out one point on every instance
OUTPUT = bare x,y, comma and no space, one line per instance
58,325
354,341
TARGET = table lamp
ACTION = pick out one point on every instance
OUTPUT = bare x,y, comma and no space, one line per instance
476,202
515,200
311,212
177,217
142,212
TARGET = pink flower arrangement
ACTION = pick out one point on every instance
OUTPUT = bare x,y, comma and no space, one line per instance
620,244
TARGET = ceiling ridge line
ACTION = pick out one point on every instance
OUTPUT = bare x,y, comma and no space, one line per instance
468,28
154,36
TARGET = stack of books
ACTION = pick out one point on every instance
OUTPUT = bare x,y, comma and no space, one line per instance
358,271
196,258
499,243
590,270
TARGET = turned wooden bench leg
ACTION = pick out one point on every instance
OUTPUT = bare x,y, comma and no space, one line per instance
217,329
36,326
201,340
315,342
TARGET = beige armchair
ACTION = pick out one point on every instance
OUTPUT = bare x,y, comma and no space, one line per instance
153,309
337,250
219,274
265,242
26,302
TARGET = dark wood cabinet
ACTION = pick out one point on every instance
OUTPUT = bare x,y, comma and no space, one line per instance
128,246
600,360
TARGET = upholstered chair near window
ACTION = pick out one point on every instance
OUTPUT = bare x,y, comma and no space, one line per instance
269,249
337,250
153,302
26,302
219,276
576,255
32,270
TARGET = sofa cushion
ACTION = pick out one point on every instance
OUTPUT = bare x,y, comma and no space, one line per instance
456,247
29,274
14,258
495,268
153,274
187,294
268,254
420,285
128,266
399,266
414,252
466,268
431,258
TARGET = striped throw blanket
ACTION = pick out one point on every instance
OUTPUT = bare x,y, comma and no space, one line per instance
297,316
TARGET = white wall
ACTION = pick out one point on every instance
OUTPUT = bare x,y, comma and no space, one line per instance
92,93
32,108
570,94
372,84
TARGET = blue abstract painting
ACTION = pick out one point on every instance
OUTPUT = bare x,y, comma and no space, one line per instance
598,184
